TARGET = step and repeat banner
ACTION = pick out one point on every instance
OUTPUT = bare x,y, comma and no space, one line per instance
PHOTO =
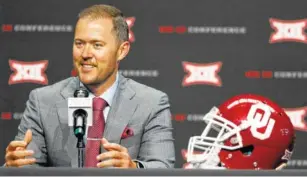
199,52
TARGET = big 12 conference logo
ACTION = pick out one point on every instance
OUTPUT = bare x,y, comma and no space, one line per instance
297,116
202,74
31,72
130,22
288,30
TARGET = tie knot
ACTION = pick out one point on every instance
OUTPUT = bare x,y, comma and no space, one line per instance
99,104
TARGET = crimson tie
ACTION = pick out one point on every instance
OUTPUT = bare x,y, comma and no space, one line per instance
95,132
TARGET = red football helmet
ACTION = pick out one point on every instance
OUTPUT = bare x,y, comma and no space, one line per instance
245,132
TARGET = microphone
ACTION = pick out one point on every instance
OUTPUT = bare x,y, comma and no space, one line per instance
80,113
81,92
79,122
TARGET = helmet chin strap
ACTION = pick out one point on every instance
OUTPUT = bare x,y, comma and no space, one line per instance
281,166
212,161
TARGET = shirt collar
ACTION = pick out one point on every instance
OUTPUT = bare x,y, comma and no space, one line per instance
108,94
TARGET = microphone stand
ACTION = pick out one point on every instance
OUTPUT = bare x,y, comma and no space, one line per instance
79,131
80,126
81,147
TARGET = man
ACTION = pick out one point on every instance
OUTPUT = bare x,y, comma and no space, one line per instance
134,121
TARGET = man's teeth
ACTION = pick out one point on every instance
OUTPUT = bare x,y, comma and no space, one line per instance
88,66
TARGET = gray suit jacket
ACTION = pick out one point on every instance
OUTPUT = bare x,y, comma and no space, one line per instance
139,107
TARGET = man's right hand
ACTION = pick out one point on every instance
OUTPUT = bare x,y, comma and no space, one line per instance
16,152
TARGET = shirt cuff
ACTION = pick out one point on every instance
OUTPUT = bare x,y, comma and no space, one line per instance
139,164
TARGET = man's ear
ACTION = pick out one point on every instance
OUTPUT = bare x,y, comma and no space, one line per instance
123,50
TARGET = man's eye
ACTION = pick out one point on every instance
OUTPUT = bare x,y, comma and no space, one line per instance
78,44
97,45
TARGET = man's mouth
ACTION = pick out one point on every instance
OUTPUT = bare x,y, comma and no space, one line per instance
87,67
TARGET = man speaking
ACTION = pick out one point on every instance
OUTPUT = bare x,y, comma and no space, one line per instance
131,121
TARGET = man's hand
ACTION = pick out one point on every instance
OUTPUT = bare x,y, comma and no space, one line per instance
16,152
116,156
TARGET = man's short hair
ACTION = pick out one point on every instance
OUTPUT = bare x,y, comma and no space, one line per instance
120,26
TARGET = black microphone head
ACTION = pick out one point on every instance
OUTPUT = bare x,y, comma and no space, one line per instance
81,92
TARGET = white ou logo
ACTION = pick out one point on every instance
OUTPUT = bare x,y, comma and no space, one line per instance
259,120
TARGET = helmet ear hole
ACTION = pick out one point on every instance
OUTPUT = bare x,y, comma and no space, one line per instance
247,150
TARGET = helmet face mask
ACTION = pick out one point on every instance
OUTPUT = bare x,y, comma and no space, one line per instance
211,141
240,134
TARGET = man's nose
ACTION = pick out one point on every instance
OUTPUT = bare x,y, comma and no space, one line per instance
87,52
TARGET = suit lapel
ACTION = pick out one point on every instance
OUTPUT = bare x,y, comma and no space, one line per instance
121,111
69,139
